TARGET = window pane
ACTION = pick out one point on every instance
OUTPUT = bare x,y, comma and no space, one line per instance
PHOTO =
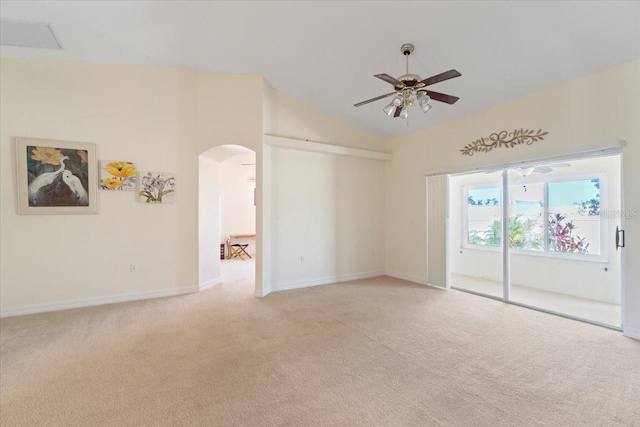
484,227
574,216
526,212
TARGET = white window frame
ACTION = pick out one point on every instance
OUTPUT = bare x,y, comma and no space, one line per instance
602,257
464,240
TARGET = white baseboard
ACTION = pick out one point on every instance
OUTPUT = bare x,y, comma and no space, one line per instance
326,281
631,332
406,277
209,284
261,294
65,305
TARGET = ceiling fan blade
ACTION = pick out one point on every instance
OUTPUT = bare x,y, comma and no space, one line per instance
397,112
441,77
542,169
387,78
373,99
557,165
448,99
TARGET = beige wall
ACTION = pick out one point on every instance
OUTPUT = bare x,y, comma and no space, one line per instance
327,213
229,111
135,113
209,221
320,231
290,118
591,110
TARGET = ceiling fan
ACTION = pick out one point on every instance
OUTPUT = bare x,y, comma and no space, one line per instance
525,171
410,89
539,168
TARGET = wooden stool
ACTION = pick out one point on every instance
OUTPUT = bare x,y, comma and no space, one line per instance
236,250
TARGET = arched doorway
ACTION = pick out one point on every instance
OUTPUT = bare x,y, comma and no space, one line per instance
227,211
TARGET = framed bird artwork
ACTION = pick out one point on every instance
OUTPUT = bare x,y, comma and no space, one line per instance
56,177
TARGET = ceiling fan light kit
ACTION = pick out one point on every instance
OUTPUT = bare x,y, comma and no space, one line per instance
410,90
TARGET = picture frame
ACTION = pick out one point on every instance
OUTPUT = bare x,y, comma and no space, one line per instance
56,177
156,187
118,175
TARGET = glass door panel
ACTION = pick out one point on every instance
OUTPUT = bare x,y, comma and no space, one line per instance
475,233
560,256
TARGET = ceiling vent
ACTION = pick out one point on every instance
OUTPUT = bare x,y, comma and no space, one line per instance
28,34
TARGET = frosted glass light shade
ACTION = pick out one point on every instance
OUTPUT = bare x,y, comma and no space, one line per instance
388,110
425,107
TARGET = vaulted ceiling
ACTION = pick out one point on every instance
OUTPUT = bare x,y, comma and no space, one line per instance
326,53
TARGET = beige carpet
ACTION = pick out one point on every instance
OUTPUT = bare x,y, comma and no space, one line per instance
378,352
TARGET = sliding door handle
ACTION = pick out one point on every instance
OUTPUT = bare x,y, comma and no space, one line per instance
619,241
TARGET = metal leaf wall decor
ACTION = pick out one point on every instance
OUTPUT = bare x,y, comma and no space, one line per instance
503,139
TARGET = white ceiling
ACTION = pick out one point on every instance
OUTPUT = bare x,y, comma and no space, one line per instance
325,53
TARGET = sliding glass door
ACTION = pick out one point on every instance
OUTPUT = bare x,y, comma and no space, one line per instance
556,220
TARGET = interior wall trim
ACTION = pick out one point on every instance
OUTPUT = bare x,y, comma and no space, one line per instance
65,305
407,277
316,147
326,281
209,284
609,147
631,332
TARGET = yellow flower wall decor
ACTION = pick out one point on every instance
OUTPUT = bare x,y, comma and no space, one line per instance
111,183
117,175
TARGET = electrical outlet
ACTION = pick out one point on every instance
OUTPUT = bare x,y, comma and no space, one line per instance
133,268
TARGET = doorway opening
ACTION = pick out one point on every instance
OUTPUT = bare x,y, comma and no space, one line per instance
540,235
228,217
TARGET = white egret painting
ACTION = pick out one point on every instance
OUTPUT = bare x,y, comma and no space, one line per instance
56,176
117,175
156,187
